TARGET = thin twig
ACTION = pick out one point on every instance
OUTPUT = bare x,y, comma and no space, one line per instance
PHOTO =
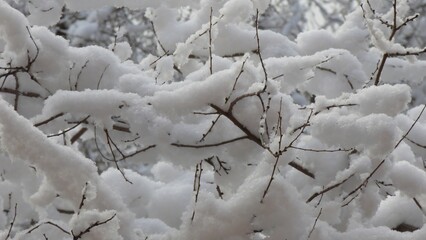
69,129
88,229
48,120
47,223
315,223
328,189
13,222
210,42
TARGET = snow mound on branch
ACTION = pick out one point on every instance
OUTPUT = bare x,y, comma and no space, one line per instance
22,141
410,179
398,209
377,133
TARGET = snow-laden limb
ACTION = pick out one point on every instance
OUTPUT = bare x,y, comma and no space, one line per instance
232,132
94,225
15,35
66,171
387,99
409,178
100,105
365,132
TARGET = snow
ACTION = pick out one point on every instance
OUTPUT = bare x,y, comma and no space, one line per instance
103,103
367,132
236,10
85,219
45,13
398,209
181,149
387,99
58,163
410,179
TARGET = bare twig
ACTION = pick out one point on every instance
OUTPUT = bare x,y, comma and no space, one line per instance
156,37
69,129
365,182
48,120
93,225
412,126
280,152
83,198
102,75
13,222
209,145
79,74
210,128
78,135
322,150
236,80
315,223
219,192
197,185
258,49
109,142
47,223
210,42
328,189
418,205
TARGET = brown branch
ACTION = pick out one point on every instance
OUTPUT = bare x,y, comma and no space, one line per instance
47,223
380,69
365,182
258,48
274,168
336,106
219,192
83,198
280,152
48,120
315,223
257,140
160,57
156,37
93,225
210,129
210,42
301,169
15,105
411,127
236,80
394,29
209,145
322,150
12,223
220,163
197,185
415,143
78,135
237,123
407,53
69,129
19,93
109,141
139,151
121,128
30,62
207,30
313,196
298,135
238,99
102,75
79,74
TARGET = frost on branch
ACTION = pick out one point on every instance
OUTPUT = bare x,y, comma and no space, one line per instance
190,120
